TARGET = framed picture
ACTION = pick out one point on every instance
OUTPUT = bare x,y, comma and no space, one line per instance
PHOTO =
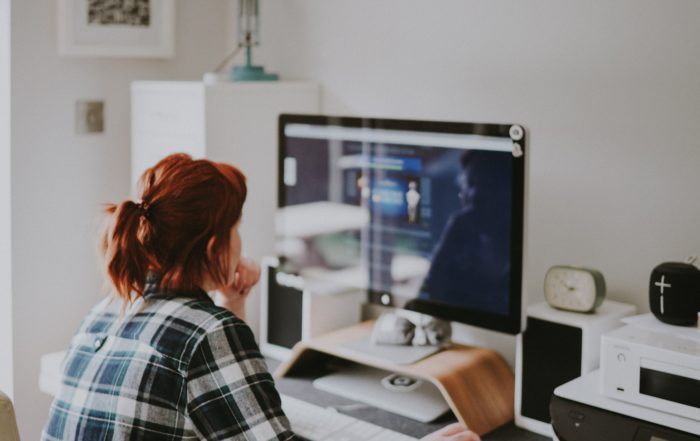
116,28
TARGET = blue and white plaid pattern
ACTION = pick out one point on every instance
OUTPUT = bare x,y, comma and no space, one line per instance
167,368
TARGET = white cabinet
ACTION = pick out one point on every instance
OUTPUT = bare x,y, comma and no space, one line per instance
166,117
228,122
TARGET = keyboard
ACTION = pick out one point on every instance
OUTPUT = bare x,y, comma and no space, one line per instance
317,423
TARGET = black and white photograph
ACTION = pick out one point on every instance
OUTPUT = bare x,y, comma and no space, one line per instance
119,12
116,28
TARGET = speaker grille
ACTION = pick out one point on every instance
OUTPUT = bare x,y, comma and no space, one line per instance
284,313
551,357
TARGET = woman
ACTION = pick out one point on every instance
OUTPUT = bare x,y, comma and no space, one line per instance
470,265
158,360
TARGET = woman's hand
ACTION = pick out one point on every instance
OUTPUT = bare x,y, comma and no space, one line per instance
234,295
453,432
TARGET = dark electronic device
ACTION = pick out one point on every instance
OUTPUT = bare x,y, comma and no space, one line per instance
573,421
674,293
292,309
557,346
425,215
580,413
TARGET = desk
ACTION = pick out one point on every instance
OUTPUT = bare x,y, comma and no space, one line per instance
302,388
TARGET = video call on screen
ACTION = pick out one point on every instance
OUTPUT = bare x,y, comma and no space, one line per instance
438,225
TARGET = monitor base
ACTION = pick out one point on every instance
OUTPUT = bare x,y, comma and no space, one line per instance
397,393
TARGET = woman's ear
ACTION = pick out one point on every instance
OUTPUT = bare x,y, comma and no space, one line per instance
210,250
213,272
219,273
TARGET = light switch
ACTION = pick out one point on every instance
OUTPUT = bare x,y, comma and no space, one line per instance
89,116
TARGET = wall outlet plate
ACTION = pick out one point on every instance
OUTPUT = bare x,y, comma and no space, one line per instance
89,116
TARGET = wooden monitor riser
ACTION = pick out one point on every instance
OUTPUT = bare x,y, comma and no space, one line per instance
476,383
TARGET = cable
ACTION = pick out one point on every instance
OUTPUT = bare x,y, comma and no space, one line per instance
228,59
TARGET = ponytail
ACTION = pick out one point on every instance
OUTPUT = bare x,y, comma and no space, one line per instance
126,257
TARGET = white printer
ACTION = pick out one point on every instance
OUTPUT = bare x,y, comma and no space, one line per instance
647,388
581,413
652,364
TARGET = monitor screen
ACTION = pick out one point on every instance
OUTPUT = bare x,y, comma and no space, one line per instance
424,215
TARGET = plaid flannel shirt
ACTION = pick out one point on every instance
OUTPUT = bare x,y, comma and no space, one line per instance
168,368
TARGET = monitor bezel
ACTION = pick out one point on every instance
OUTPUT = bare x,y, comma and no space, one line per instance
508,323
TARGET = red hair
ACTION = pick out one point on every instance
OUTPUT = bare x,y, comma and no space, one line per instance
180,230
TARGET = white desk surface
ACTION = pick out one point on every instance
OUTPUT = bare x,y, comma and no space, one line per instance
50,372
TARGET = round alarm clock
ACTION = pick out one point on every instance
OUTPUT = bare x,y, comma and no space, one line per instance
574,288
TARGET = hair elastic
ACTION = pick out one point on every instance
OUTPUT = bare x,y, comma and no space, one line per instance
144,209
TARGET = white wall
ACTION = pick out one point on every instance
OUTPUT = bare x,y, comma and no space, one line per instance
609,92
5,197
60,180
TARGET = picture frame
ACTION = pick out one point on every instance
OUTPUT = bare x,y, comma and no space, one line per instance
116,28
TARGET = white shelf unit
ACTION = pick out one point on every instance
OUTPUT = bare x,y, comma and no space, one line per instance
228,122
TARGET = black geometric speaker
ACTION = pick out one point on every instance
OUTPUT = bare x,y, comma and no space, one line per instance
674,293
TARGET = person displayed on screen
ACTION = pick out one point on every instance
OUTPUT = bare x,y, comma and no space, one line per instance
363,190
471,261
157,359
412,200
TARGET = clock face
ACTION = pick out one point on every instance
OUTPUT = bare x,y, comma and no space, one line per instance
570,288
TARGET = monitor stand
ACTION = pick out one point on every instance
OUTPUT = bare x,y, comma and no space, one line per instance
398,354
476,383
397,393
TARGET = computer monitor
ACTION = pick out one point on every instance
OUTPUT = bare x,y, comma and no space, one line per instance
424,215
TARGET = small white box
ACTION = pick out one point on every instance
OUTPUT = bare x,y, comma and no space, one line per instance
652,368
294,310
556,347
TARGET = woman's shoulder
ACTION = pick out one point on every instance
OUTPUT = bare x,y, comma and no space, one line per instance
174,325
216,321
207,315
219,335
198,313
